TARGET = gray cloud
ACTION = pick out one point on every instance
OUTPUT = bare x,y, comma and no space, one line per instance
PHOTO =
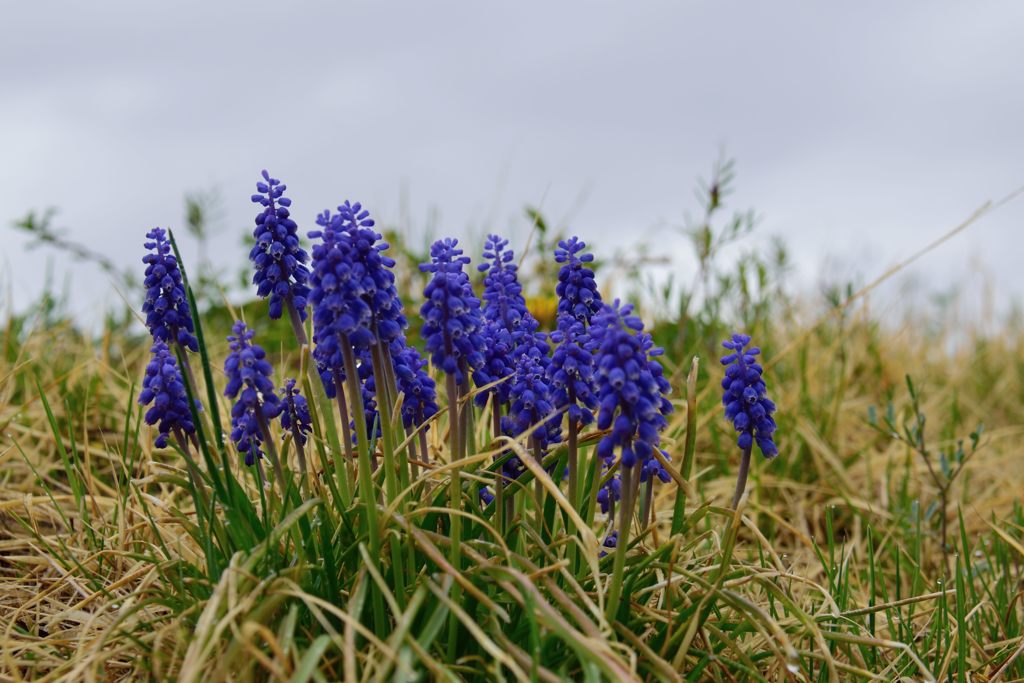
861,133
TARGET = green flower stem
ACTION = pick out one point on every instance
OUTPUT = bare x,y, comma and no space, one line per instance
741,478
538,487
346,429
366,488
625,521
455,504
648,504
499,479
689,448
271,448
296,320
385,410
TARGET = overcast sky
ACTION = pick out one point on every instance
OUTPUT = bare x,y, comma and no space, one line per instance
860,131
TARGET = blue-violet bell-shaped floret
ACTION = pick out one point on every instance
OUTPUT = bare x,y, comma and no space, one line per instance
747,405
280,262
452,322
164,388
168,315
631,387
576,289
610,542
248,372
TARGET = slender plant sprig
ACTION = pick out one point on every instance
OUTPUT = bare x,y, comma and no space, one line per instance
951,462
689,448
280,272
747,406
632,392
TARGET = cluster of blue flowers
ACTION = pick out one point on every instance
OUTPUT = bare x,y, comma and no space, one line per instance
632,391
531,409
418,388
510,330
164,388
571,371
248,373
372,280
168,315
295,417
603,369
577,288
169,319
280,261
339,313
452,321
745,399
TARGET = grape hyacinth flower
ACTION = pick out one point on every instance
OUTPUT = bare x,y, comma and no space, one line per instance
571,366
510,329
747,405
504,311
609,494
610,541
452,325
168,315
531,406
165,389
631,387
576,289
295,419
248,373
452,321
279,260
632,393
419,402
373,278
531,411
339,315
573,389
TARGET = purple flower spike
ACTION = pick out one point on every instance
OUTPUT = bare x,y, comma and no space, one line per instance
165,389
747,405
248,373
280,262
452,323
168,315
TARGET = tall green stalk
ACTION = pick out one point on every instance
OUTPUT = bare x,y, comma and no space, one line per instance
367,491
625,521
454,504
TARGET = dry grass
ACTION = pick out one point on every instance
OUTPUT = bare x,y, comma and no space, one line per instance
834,570
81,598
